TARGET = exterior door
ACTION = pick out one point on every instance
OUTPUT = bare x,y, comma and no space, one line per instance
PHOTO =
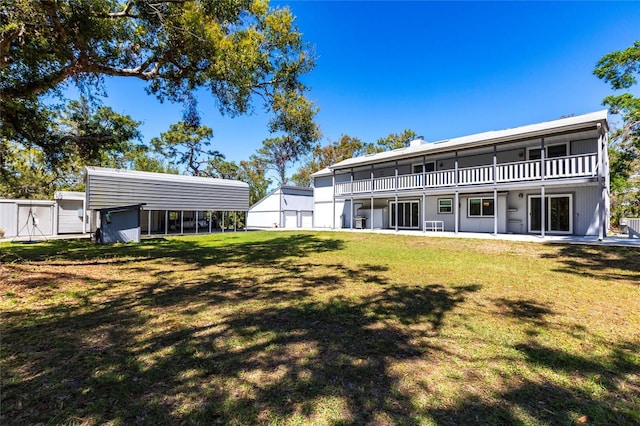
558,214
408,214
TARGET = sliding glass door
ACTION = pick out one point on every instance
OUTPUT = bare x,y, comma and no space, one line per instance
408,214
558,213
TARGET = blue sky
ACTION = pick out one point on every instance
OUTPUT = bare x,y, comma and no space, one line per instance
442,69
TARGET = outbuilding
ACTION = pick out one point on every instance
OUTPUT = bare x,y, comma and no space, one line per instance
72,212
285,207
169,203
28,218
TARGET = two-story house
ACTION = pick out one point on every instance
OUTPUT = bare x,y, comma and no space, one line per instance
548,178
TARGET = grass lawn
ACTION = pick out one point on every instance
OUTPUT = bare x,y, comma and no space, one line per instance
319,328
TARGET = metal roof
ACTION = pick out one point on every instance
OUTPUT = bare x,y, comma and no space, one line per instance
161,177
477,140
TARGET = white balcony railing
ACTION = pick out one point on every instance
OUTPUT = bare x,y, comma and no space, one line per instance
555,168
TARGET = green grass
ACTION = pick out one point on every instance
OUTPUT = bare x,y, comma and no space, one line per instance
319,328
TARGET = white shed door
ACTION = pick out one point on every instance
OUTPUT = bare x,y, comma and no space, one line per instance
290,219
307,219
35,220
69,222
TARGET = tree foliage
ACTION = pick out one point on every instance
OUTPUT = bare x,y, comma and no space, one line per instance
278,154
253,172
621,69
239,51
82,135
186,145
323,156
395,141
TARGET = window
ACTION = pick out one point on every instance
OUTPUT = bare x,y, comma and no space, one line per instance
551,151
430,166
481,207
445,205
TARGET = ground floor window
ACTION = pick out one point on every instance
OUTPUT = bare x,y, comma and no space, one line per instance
408,214
445,205
558,213
481,207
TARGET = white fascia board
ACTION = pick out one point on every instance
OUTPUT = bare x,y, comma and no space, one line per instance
479,139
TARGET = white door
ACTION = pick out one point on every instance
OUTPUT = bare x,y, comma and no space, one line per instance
290,219
70,216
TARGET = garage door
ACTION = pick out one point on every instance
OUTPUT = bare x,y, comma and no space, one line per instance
307,219
68,220
290,219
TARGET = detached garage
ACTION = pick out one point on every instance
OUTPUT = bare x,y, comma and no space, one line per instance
287,207
169,203
28,218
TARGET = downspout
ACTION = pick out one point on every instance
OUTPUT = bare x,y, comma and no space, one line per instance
456,211
333,200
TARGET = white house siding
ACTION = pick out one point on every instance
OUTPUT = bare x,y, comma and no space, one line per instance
483,224
283,207
431,212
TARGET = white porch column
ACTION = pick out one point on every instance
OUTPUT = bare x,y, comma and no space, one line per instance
211,220
235,221
351,212
371,216
333,200
424,206
182,221
222,227
602,186
166,222
495,211
149,223
543,201
456,208
197,217
543,215
396,207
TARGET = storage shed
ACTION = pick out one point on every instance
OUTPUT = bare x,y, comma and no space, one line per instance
72,212
120,224
170,203
286,207
28,218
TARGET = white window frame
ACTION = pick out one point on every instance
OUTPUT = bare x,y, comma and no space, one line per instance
481,215
414,165
547,219
546,150
439,206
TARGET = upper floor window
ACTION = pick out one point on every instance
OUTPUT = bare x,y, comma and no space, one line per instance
430,166
551,151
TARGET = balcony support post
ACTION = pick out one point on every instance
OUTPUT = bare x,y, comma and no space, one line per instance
424,210
455,166
495,165
456,210
396,184
396,207
333,201
543,172
351,213
495,210
371,215
543,212
424,173
372,182
602,185
351,177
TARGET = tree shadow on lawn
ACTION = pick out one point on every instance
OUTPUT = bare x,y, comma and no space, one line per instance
105,364
599,261
199,252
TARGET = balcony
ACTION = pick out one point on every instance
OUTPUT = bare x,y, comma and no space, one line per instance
522,171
